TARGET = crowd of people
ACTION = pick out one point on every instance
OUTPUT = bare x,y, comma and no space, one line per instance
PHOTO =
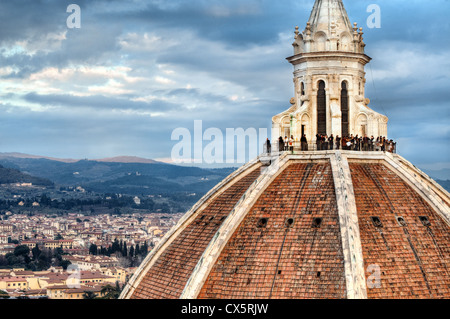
350,143
355,143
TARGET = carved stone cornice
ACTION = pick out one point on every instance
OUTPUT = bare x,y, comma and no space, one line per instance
329,55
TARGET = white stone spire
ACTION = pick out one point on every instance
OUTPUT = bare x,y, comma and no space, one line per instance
329,79
329,29
329,14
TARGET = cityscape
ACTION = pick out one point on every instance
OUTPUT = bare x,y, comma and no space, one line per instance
38,252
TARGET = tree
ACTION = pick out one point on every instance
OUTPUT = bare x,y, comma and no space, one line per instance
59,237
115,246
93,250
44,261
144,249
110,292
58,253
65,264
3,261
125,250
137,250
13,260
45,200
36,252
4,295
132,251
21,250
89,295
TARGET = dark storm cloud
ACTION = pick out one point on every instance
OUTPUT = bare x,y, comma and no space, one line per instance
87,45
416,21
99,101
233,22
21,19
194,93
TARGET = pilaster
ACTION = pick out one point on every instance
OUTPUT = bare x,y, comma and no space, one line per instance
348,221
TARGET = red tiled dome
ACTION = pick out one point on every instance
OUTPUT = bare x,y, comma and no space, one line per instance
327,225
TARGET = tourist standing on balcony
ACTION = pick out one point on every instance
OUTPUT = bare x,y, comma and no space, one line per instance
349,144
268,146
378,144
357,143
383,144
325,143
280,144
391,146
331,142
338,142
365,143
304,143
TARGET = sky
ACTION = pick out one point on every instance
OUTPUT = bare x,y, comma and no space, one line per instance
137,70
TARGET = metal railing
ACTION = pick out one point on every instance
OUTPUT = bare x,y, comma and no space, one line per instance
309,147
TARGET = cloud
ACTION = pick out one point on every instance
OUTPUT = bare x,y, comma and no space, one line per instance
99,102
138,69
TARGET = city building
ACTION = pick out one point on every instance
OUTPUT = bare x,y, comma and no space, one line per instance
3,239
92,262
86,270
13,283
6,227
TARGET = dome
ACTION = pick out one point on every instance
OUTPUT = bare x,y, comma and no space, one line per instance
326,224
322,224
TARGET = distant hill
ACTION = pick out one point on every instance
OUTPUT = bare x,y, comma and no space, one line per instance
21,155
127,159
118,159
115,176
442,174
445,184
11,176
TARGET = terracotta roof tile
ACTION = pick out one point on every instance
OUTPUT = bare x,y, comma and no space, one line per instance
168,276
276,261
414,260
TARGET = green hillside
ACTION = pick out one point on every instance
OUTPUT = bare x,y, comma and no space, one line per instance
11,176
123,178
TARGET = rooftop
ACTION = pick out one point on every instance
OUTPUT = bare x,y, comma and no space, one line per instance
308,225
